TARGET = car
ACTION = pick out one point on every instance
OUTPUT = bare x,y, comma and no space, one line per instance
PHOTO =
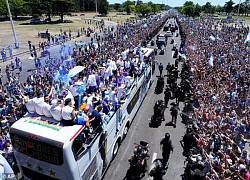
160,36
169,34
37,21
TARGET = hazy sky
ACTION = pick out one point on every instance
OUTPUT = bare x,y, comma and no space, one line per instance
174,3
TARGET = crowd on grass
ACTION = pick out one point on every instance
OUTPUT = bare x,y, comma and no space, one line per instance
218,56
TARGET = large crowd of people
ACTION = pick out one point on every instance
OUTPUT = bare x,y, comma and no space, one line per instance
218,58
84,98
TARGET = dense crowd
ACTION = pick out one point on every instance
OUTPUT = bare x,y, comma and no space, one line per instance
84,98
218,59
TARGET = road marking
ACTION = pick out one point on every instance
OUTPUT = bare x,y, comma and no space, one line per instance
153,158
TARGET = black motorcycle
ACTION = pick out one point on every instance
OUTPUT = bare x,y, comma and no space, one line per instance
158,115
138,162
157,170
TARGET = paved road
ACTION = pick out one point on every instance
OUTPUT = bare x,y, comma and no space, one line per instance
140,130
54,50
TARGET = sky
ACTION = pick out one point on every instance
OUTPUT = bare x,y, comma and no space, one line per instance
174,3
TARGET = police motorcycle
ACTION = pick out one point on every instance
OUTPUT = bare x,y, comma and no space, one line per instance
158,115
157,170
138,162
159,85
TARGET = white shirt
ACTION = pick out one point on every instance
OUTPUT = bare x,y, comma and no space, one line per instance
30,106
113,65
90,104
127,80
120,62
56,112
92,80
73,90
67,112
127,64
46,110
38,103
108,71
70,95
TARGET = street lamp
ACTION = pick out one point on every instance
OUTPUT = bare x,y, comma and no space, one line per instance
96,7
12,25
238,11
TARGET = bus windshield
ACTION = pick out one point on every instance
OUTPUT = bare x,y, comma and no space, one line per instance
37,149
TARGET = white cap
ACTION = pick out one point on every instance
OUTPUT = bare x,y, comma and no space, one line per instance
241,167
54,102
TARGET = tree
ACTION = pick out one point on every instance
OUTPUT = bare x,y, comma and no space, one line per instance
143,9
16,7
246,7
103,7
155,8
219,9
229,6
208,8
3,8
189,8
127,5
117,6
61,7
197,10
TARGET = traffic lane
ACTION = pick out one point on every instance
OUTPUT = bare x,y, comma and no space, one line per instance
140,130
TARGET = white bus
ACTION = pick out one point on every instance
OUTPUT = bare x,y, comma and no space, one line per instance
46,150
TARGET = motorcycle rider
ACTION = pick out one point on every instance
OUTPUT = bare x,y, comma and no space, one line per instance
166,147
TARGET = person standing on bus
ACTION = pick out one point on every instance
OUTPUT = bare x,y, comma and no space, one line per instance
96,119
68,113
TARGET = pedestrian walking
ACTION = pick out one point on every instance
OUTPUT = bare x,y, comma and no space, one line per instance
174,112
3,54
166,148
10,51
160,69
167,95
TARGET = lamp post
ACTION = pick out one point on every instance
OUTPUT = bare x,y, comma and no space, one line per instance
238,12
96,7
12,25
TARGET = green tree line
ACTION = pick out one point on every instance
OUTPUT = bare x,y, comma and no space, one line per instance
191,9
49,8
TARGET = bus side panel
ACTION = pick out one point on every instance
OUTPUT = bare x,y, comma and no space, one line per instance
90,164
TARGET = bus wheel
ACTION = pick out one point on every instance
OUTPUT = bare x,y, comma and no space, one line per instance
116,147
125,131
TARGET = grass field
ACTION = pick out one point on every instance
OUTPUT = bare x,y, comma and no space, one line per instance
30,32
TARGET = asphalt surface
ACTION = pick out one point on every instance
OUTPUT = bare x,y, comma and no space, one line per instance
29,65
140,130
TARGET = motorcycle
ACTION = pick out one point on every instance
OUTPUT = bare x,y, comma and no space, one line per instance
138,162
158,115
157,170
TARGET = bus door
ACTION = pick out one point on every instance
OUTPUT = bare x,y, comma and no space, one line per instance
86,156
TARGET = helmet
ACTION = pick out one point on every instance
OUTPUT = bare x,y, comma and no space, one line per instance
139,149
167,135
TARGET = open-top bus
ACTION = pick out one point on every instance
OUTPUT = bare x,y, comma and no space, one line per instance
46,150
